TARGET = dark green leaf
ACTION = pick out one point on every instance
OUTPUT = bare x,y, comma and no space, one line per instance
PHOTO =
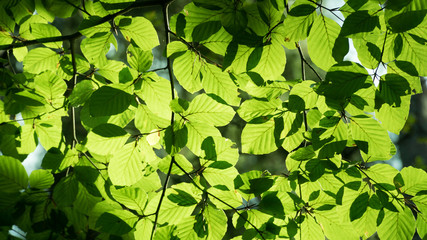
108,101
204,30
359,206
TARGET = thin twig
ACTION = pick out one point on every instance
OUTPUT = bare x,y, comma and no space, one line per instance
158,69
169,67
328,9
93,164
10,62
74,79
77,7
303,78
381,56
192,48
379,185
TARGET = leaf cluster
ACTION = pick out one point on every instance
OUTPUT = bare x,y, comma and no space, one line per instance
132,129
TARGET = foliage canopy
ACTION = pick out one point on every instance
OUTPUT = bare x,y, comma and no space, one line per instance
103,182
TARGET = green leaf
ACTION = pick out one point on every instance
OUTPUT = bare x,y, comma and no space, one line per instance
41,59
126,166
5,40
65,191
220,149
392,88
397,225
138,29
370,137
394,118
298,22
396,5
302,154
132,198
359,24
156,92
6,22
42,30
204,30
205,109
231,197
51,87
216,222
28,140
309,229
359,206
186,23
412,51
106,138
117,72
292,131
169,211
414,180
302,96
109,100
81,93
187,69
234,20
117,222
271,62
13,176
271,204
29,98
335,228
181,198
348,77
142,228
146,121
96,47
406,21
217,82
366,225
215,175
49,131
197,132
41,179
254,108
322,41
139,59
259,138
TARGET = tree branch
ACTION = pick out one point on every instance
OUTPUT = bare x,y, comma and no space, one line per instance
78,34
165,8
